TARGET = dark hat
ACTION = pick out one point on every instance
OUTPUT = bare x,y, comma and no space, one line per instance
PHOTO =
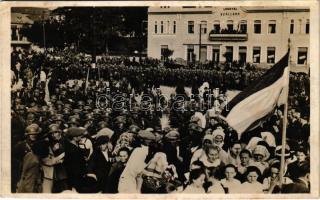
76,111
102,124
30,116
66,110
58,117
102,140
33,129
147,135
54,128
96,111
44,108
59,102
135,110
74,132
73,120
134,129
80,103
88,117
120,119
87,108
195,127
67,105
279,149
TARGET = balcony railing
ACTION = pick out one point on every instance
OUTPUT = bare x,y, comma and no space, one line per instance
228,35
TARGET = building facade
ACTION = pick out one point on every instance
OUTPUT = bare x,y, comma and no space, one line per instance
256,35
19,21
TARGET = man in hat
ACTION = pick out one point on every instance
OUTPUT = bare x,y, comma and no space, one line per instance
190,143
101,161
55,175
74,160
73,121
22,148
135,118
171,148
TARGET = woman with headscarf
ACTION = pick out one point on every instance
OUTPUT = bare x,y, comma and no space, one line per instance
260,156
130,180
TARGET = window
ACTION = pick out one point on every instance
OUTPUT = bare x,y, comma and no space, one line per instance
271,52
174,27
257,26
163,48
161,27
307,26
256,54
243,26
302,55
168,26
272,26
300,25
292,27
190,26
190,53
242,54
229,53
203,27
155,27
216,26
230,25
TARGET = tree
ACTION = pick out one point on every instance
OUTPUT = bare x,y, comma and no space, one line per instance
92,30
166,53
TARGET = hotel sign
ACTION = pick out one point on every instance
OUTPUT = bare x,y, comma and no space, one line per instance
230,12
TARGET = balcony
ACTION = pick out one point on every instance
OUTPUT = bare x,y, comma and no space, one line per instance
228,35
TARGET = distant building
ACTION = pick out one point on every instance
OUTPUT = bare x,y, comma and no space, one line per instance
19,21
249,34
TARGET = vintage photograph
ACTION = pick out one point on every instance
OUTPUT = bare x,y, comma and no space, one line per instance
159,100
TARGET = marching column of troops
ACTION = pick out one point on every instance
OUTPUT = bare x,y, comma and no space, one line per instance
66,138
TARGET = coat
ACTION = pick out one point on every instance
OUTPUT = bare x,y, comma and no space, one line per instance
100,166
114,176
31,176
298,186
74,164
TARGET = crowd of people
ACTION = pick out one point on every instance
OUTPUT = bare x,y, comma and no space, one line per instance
66,138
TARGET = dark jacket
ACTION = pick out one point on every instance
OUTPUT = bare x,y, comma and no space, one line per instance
74,164
114,176
99,166
297,187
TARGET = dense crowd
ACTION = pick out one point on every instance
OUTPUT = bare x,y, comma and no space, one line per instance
115,131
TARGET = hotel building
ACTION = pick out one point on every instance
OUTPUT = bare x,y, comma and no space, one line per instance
257,35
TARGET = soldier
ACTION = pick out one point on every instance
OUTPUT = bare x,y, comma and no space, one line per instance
55,175
22,148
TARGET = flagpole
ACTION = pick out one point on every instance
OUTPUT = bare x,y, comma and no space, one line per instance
285,120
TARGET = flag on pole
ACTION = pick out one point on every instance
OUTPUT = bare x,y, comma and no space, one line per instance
257,102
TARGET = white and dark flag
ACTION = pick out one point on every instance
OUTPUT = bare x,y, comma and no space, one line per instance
257,102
